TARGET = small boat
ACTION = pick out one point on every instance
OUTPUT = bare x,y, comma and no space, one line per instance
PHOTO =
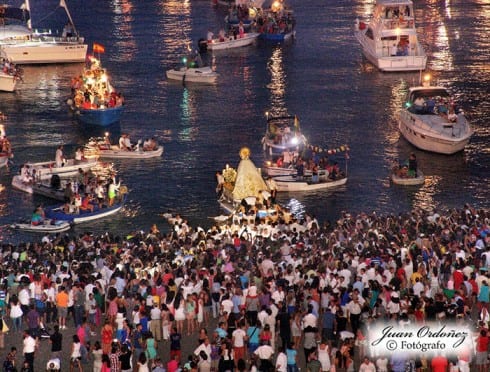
431,120
276,24
193,71
293,183
48,226
58,212
101,147
44,170
230,42
193,74
95,101
39,188
389,41
406,180
8,80
283,133
20,44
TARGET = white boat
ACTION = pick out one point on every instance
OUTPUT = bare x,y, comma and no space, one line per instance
389,41
8,82
431,121
100,147
48,226
399,179
20,44
230,42
283,133
293,183
39,188
44,170
193,74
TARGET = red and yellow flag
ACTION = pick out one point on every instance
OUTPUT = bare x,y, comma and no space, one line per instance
98,48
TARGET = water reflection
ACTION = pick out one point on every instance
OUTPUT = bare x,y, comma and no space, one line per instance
277,86
175,27
122,31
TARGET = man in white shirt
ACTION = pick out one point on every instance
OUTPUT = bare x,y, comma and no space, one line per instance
30,345
265,352
206,347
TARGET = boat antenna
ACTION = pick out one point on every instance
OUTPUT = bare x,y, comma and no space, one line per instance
64,6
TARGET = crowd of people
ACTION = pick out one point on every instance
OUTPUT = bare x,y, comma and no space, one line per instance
264,296
92,90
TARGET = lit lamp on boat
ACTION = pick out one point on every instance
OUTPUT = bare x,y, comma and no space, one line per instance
276,6
426,81
294,140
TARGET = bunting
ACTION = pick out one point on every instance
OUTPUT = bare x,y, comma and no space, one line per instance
319,150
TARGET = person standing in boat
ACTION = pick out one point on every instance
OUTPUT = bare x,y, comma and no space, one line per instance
412,165
59,159
241,30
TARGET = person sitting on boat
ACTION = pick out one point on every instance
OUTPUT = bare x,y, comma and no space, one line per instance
87,203
452,116
430,105
25,174
300,169
59,158
221,35
419,104
38,216
150,145
123,143
210,36
77,203
68,193
412,165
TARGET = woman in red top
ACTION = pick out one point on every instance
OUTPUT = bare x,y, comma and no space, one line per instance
482,350
107,337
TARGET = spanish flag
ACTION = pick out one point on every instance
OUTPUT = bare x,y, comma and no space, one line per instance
98,48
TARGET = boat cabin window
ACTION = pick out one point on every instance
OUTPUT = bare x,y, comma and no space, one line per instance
397,11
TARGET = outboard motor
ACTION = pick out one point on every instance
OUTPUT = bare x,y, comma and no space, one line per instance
55,181
202,45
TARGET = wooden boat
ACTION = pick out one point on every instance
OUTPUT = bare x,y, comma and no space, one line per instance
49,226
21,44
100,148
389,41
397,179
57,212
293,183
431,121
95,101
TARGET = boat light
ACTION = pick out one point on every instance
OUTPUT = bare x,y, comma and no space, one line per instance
103,78
408,104
276,6
268,163
397,31
184,60
427,78
106,134
294,140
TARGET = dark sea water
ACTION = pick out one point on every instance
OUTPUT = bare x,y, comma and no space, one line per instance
321,76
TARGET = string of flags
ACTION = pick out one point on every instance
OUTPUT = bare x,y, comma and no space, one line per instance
318,149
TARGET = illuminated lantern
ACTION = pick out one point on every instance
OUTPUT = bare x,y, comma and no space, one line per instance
276,6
